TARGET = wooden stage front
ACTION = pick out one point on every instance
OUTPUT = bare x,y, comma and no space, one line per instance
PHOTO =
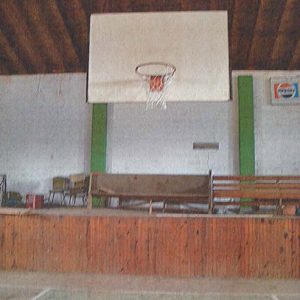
123,242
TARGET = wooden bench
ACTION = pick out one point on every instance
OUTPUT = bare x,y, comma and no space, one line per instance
152,188
258,190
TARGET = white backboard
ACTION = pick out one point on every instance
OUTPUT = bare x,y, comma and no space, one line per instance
195,42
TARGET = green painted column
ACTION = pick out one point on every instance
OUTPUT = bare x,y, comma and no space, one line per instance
246,125
98,142
246,128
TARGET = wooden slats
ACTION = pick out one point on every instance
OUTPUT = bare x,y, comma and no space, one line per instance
244,247
264,35
230,11
42,36
60,35
127,6
259,202
76,23
150,184
253,186
242,28
14,26
258,194
99,6
52,36
295,60
152,188
9,56
287,37
154,197
219,4
274,190
195,5
281,178
3,68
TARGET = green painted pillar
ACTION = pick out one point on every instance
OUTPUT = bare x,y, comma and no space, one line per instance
246,125
98,142
246,128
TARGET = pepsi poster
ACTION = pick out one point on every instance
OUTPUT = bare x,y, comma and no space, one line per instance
285,90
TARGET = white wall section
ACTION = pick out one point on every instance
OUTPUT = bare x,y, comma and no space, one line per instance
45,132
44,129
161,141
277,128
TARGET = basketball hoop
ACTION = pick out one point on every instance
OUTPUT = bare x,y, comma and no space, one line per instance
157,77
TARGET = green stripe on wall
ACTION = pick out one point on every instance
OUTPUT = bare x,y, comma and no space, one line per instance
98,142
246,125
246,129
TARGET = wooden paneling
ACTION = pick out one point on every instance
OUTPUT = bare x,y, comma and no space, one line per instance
183,189
181,246
195,5
52,35
295,60
149,184
76,22
60,35
264,35
9,56
41,36
15,28
242,28
287,37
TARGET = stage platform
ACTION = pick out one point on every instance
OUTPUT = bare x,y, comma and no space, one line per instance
110,241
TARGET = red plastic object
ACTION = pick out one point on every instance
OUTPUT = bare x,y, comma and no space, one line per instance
34,201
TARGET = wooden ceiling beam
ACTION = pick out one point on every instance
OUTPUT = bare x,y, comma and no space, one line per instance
99,6
116,6
243,24
4,70
76,23
86,6
38,36
287,37
264,36
42,37
16,30
195,5
219,4
124,6
61,36
10,56
229,7
295,61
230,11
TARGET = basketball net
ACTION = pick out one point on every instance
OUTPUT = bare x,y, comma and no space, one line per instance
157,78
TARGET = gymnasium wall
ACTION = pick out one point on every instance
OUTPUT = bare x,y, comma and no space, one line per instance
44,129
161,141
45,132
277,128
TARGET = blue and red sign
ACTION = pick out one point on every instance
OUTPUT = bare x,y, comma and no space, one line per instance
285,91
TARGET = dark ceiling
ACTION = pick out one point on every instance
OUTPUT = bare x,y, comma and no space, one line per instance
51,36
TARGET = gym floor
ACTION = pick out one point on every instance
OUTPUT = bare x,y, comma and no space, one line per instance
29,285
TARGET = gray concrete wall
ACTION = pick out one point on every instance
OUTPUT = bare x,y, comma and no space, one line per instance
45,132
44,129
161,141
277,128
